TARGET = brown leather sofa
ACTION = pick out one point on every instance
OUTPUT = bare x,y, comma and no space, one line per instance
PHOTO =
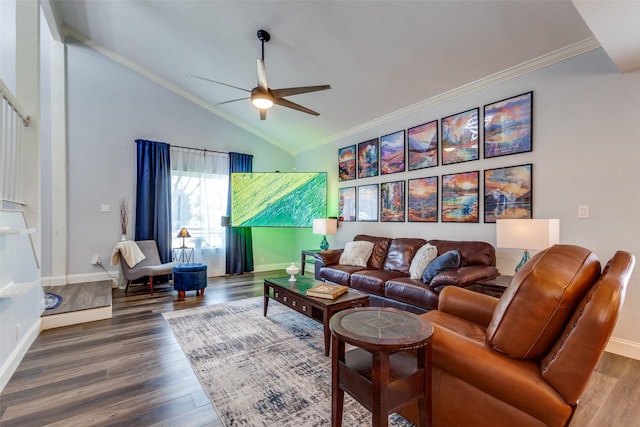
386,278
525,359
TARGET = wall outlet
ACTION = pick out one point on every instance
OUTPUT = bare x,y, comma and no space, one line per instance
96,260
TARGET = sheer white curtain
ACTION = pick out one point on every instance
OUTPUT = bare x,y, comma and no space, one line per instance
199,188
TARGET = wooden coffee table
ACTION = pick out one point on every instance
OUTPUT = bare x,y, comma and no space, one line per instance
293,295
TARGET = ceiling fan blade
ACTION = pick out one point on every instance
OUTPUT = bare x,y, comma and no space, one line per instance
215,81
293,105
262,76
278,93
263,114
232,100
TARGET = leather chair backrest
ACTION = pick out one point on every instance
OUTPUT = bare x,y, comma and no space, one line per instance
541,297
401,253
471,252
573,358
380,249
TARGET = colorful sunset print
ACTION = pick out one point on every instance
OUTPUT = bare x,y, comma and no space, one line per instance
507,193
368,203
422,142
460,197
347,163
508,125
423,199
347,204
460,137
392,201
392,153
368,158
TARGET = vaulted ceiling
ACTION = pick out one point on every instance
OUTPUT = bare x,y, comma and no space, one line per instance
380,57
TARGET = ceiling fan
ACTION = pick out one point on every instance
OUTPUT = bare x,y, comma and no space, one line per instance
262,97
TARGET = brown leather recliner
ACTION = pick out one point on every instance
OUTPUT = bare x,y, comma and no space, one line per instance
525,359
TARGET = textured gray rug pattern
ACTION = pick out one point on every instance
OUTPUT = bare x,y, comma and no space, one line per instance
262,371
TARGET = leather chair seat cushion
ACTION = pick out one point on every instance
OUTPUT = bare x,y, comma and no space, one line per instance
540,299
411,291
401,253
340,274
459,348
372,281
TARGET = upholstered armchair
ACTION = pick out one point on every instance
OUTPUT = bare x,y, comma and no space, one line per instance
525,359
150,266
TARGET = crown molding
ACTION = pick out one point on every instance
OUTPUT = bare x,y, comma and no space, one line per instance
70,32
554,57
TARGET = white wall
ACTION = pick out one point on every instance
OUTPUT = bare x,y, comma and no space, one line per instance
586,142
109,106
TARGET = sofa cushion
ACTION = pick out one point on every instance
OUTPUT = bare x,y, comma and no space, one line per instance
471,252
372,281
542,295
446,261
401,252
411,291
380,249
339,274
421,260
356,253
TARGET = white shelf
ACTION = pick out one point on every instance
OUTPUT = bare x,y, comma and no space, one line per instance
13,289
8,231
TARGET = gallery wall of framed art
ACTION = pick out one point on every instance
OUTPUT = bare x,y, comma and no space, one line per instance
498,129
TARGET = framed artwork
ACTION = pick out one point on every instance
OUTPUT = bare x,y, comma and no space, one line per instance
460,137
508,126
368,158
347,204
508,192
392,201
460,197
368,203
392,153
422,143
347,163
422,201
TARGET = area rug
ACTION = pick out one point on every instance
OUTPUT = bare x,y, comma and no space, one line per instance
51,300
262,371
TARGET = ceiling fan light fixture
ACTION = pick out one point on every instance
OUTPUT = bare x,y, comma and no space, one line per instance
261,100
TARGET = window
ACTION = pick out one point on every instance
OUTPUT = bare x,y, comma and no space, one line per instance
199,192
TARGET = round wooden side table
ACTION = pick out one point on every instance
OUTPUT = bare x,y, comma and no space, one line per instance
380,372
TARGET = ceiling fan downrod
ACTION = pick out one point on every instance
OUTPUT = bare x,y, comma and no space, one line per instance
264,37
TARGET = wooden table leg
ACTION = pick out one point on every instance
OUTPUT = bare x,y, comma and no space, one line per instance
266,299
337,393
326,316
380,383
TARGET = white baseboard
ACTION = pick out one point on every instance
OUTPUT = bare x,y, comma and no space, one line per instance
75,317
54,281
624,348
11,364
270,267
79,278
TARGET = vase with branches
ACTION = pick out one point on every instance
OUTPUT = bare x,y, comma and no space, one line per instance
124,217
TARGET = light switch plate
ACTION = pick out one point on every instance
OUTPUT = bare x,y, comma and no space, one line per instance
583,211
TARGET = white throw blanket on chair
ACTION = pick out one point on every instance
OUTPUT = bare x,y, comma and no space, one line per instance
129,250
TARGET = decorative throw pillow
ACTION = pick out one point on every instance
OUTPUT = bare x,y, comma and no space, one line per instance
421,260
356,253
446,261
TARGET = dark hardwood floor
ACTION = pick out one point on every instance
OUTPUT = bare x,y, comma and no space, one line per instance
130,370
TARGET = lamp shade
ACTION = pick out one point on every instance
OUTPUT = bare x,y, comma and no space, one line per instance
535,234
325,226
183,233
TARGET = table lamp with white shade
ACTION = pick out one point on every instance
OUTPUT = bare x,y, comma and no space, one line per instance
324,227
527,234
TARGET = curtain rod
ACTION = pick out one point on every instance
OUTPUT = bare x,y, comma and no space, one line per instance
191,148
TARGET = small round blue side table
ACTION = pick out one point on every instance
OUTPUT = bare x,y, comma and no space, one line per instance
189,277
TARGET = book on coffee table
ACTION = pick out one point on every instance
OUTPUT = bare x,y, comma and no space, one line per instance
327,291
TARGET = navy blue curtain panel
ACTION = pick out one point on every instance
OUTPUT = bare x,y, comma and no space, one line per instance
239,242
153,195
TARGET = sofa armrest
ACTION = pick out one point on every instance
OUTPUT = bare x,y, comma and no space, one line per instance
329,257
464,276
469,305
